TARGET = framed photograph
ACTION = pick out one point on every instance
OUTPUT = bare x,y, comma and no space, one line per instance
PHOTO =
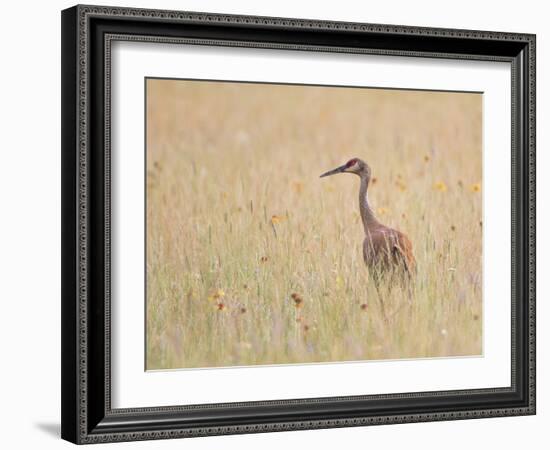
278,224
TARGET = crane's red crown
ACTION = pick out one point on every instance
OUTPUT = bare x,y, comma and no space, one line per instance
351,162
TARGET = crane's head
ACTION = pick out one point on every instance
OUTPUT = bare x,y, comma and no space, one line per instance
354,165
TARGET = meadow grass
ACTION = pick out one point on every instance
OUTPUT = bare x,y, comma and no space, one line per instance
252,259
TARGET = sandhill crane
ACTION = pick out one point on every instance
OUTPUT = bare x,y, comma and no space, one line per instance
385,250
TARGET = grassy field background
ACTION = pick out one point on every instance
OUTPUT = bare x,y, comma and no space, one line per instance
252,259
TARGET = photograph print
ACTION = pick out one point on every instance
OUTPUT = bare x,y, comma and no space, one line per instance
298,224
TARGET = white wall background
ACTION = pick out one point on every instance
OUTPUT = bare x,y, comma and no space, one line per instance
30,225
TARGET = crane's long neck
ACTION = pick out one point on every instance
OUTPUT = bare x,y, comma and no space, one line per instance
367,214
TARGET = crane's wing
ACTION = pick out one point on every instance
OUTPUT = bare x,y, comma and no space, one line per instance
403,252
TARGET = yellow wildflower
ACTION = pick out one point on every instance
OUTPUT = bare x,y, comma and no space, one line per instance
440,186
216,295
476,187
401,185
298,187
277,219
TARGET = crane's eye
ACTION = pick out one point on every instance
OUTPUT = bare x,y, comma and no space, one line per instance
351,162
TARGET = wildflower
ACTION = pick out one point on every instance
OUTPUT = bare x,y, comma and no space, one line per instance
440,186
220,306
401,185
216,295
426,158
242,310
476,187
460,184
444,332
298,187
277,219
382,211
373,180
298,301
224,195
364,306
264,259
453,228
306,328
339,281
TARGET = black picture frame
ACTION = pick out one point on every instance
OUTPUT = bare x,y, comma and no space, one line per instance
87,415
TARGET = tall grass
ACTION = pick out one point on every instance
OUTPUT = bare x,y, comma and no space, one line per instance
252,259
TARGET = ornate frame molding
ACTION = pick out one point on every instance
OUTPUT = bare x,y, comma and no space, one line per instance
80,418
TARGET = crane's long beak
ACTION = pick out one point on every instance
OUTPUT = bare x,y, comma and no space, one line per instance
334,171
